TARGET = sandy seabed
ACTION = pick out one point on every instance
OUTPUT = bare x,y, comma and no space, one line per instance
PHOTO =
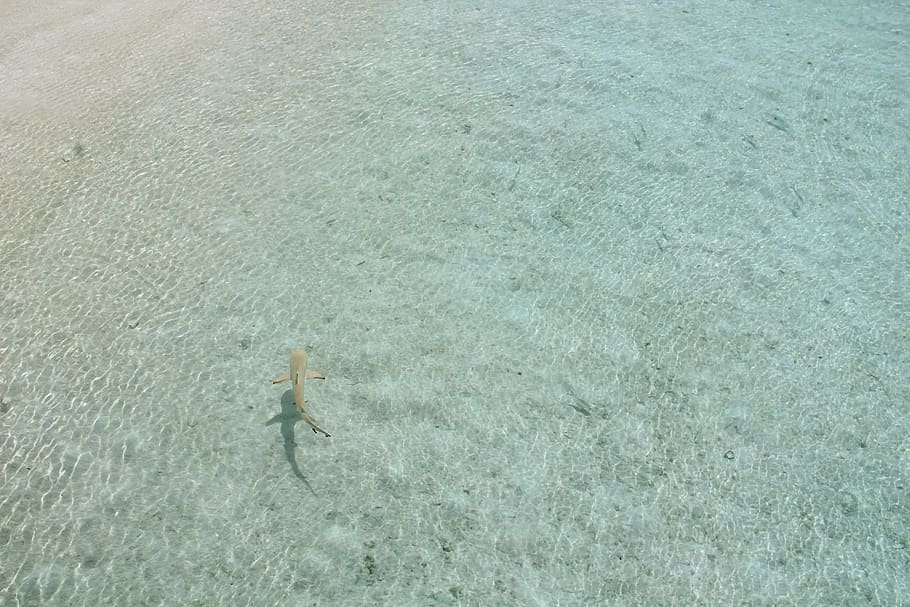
611,299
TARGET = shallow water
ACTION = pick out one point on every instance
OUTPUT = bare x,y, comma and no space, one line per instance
611,301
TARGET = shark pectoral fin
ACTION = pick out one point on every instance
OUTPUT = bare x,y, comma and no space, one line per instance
314,375
281,378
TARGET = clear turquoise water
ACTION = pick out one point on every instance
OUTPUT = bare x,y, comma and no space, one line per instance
611,301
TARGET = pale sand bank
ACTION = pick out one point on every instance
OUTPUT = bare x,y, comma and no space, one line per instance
611,302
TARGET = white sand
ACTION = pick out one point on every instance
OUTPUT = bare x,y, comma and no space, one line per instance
612,302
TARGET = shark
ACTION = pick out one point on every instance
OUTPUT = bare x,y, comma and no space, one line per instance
297,374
